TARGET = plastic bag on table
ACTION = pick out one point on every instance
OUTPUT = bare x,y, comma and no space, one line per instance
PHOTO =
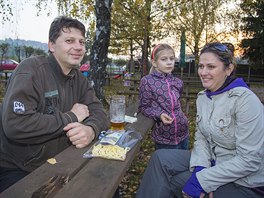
110,150
129,138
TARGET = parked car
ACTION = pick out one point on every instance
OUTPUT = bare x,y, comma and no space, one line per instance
8,64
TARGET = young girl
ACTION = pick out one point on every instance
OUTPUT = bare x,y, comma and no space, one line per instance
160,95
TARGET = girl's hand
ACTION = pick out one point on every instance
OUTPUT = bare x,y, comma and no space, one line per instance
166,119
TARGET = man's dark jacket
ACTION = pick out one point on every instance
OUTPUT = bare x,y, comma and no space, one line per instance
36,108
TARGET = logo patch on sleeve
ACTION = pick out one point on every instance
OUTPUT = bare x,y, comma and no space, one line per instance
19,108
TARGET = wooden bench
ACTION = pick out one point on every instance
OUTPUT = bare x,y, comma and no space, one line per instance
192,83
189,95
74,176
110,77
186,84
7,73
187,102
135,83
3,82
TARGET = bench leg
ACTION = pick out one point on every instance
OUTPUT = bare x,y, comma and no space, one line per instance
187,107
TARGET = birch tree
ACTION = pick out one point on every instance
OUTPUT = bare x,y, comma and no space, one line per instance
100,13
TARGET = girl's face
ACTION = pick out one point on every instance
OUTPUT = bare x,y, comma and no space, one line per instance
165,61
212,71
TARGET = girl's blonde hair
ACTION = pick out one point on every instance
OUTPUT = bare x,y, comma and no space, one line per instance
155,53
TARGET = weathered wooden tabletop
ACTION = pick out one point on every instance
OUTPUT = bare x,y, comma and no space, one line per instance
74,176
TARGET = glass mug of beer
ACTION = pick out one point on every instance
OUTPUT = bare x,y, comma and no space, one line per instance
117,112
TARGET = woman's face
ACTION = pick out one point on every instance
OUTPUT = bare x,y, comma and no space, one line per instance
212,71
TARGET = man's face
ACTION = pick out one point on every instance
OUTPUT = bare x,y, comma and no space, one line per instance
68,49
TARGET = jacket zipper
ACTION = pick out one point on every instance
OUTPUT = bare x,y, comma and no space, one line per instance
172,109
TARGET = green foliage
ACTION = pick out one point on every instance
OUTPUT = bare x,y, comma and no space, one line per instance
6,10
38,51
198,18
127,26
135,24
18,51
3,49
253,26
28,50
120,62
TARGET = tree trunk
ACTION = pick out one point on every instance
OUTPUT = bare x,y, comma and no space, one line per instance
196,56
100,46
145,55
146,42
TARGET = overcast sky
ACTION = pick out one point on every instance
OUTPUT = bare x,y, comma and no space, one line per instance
25,24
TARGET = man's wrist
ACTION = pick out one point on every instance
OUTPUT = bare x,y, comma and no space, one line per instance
94,133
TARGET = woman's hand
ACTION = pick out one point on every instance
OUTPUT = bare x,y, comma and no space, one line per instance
202,195
210,195
166,119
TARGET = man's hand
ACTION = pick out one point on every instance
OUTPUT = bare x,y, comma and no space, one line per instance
166,119
79,134
81,111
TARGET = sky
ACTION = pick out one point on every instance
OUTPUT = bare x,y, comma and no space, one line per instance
25,24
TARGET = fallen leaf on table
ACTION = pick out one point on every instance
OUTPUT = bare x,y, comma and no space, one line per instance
52,161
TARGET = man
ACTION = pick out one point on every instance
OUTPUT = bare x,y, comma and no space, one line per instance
48,106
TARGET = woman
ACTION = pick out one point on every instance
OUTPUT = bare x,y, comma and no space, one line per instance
227,159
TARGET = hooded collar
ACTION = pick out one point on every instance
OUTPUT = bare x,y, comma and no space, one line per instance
230,83
162,75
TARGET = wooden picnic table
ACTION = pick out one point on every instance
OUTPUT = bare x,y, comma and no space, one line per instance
74,176
192,83
6,73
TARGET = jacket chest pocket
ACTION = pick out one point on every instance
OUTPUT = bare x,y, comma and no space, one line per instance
222,126
50,105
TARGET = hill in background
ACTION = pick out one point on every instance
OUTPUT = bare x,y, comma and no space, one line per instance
20,42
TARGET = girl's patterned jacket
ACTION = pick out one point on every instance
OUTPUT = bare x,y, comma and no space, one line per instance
160,93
